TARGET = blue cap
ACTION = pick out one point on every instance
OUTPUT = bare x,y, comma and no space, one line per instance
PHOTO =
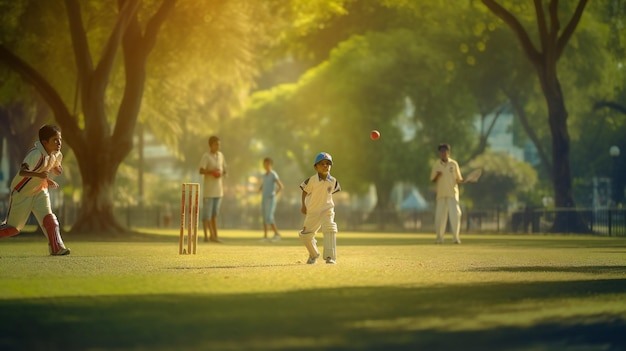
323,156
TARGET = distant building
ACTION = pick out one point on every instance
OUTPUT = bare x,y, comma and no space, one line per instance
502,138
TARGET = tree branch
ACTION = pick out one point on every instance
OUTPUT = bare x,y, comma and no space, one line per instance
494,120
541,24
518,29
62,115
127,12
555,24
156,22
136,49
80,44
521,114
482,141
570,28
609,104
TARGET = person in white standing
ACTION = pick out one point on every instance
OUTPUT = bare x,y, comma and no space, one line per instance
213,168
29,190
446,173
319,208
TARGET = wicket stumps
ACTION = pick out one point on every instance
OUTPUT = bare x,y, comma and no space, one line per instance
189,211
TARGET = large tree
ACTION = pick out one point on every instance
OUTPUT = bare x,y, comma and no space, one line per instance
111,43
544,55
99,147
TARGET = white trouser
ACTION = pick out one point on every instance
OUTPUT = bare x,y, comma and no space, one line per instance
312,223
21,206
448,207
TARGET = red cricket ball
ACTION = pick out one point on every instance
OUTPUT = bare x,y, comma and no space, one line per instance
374,134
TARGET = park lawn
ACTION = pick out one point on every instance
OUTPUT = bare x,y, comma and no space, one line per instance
388,291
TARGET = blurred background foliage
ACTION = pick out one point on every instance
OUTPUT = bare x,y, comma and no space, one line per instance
290,78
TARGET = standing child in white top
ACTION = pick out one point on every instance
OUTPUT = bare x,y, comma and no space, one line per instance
213,168
319,208
29,190
447,174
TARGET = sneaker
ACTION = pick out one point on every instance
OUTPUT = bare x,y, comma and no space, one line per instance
330,261
457,241
312,260
264,240
62,252
276,237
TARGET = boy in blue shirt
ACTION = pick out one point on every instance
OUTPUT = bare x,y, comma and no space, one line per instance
270,187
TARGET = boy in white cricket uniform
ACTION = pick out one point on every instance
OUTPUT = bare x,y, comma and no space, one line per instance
29,190
319,208
447,174
213,168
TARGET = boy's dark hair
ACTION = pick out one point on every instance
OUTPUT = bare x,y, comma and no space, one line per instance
443,147
213,139
47,131
268,160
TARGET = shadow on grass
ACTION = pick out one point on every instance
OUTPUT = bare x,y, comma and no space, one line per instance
368,318
239,266
559,269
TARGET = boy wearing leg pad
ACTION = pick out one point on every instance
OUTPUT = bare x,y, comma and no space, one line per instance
319,208
308,239
29,190
53,232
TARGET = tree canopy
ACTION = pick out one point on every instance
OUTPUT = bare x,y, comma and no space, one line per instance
292,78
110,45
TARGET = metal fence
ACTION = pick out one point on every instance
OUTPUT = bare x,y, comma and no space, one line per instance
602,222
235,215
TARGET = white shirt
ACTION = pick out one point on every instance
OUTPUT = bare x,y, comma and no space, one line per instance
447,184
37,160
319,193
213,187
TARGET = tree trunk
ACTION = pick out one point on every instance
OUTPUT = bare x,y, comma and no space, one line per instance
20,129
552,43
106,150
383,213
99,151
567,219
96,212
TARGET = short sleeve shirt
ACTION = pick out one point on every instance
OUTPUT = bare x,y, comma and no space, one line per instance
447,184
269,183
37,160
320,192
213,187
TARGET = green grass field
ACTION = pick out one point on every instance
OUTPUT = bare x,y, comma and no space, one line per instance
387,292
